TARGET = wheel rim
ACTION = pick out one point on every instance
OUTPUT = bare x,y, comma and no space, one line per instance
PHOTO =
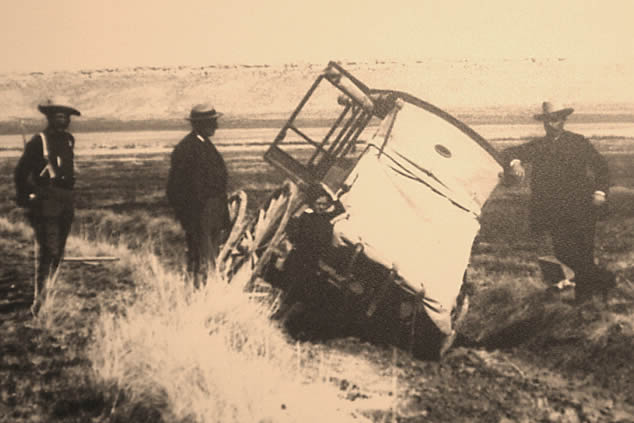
259,236
237,212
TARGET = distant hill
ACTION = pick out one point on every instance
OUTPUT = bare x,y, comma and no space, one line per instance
251,95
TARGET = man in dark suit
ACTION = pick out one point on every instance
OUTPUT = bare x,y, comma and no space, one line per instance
197,191
569,187
44,181
311,236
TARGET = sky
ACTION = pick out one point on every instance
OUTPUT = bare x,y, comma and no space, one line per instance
50,35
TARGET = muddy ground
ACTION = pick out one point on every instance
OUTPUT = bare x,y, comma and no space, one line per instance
539,363
45,375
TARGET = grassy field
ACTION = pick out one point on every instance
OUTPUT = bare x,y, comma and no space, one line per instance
128,342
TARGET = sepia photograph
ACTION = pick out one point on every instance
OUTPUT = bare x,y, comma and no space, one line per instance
334,211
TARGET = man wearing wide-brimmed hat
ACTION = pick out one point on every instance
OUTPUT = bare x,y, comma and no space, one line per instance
44,181
197,191
569,186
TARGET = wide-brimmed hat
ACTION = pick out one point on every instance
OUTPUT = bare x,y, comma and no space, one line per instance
203,112
51,106
551,111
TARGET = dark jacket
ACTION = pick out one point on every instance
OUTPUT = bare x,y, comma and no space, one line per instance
197,173
565,173
311,235
31,178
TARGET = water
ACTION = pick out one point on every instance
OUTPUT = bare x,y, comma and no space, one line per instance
606,136
148,140
525,131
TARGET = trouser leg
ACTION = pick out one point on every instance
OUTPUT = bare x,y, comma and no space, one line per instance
573,243
51,234
42,256
64,223
193,255
213,221
207,246
203,239
200,252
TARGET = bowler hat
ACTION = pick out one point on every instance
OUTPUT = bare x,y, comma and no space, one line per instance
203,112
550,111
50,107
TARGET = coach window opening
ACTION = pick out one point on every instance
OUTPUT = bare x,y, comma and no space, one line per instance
340,138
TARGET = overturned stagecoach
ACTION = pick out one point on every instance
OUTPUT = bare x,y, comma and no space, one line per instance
412,180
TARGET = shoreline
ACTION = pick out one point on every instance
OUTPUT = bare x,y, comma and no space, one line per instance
611,136
29,126
606,145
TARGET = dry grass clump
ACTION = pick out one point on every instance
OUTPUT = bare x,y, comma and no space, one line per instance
137,229
512,309
207,355
500,300
184,355
10,229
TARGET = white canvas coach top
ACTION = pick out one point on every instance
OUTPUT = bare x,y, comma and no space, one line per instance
416,207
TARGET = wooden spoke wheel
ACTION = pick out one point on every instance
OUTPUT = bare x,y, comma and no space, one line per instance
246,253
237,216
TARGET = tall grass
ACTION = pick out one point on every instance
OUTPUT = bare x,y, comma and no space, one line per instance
207,355
210,355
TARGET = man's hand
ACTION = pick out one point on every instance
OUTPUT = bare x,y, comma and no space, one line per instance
517,170
598,198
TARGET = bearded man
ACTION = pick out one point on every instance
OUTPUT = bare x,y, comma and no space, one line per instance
569,186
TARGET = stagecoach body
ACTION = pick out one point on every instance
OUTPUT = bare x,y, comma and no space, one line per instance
412,180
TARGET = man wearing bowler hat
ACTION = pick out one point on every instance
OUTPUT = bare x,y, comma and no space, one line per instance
197,191
569,186
44,181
